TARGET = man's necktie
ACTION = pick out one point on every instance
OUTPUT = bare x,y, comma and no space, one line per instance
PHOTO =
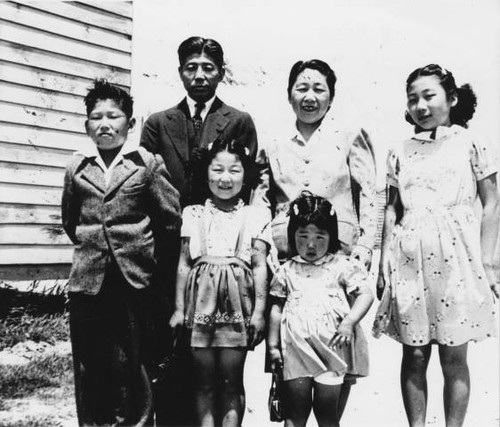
197,120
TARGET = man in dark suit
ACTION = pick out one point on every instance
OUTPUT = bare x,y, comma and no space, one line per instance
199,119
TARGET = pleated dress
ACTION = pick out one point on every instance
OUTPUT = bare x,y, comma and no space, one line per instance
220,294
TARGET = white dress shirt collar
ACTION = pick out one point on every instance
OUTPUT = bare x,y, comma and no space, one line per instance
90,151
192,107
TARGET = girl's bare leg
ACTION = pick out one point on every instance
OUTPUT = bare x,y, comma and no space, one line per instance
206,385
414,382
298,401
456,383
325,404
231,362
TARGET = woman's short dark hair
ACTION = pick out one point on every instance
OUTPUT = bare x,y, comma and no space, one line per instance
311,209
462,112
199,45
202,157
102,90
313,64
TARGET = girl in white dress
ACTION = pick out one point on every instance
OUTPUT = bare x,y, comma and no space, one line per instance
436,269
313,330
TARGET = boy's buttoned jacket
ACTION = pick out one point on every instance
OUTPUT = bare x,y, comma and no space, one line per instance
123,221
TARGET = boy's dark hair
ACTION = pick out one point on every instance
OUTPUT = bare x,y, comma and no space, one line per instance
201,159
311,209
313,64
102,90
465,108
199,45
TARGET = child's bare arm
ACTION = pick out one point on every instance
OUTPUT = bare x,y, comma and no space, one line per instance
183,268
362,303
259,271
390,219
487,189
273,335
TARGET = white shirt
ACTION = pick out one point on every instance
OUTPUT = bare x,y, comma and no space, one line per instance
90,150
192,107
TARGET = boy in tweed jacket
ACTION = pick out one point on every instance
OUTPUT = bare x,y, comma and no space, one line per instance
118,208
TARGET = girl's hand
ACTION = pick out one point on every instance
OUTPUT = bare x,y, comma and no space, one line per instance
275,358
344,334
380,285
493,275
255,330
363,254
177,321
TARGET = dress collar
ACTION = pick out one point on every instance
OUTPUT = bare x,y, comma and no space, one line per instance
436,134
323,260
212,208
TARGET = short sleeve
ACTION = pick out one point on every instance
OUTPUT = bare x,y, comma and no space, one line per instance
354,275
392,168
484,160
190,217
258,222
278,283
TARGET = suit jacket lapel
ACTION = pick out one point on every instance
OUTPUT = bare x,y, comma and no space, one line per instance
93,174
176,128
215,122
121,172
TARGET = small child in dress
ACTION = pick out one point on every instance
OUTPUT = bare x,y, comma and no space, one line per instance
222,278
312,329
117,207
436,275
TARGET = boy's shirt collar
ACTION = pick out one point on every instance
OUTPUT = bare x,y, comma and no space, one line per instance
192,107
90,151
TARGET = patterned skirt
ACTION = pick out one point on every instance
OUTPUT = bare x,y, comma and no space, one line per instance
219,302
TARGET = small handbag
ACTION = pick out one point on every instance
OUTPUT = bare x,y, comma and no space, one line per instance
275,402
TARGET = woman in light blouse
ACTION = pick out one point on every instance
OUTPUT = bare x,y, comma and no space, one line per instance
319,156
329,161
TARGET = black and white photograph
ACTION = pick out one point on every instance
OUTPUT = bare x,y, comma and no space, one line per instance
249,213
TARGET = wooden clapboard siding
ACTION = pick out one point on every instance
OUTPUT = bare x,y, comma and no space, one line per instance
41,137
44,79
31,214
29,15
80,12
50,52
47,60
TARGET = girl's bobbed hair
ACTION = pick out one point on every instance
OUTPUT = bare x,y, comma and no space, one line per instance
311,209
202,157
466,105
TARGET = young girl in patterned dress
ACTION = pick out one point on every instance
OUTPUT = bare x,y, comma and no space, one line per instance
313,331
436,268
222,279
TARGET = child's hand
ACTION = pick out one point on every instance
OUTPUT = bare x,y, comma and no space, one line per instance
275,358
177,321
255,330
344,334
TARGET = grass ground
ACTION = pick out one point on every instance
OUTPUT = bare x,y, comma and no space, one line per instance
38,393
